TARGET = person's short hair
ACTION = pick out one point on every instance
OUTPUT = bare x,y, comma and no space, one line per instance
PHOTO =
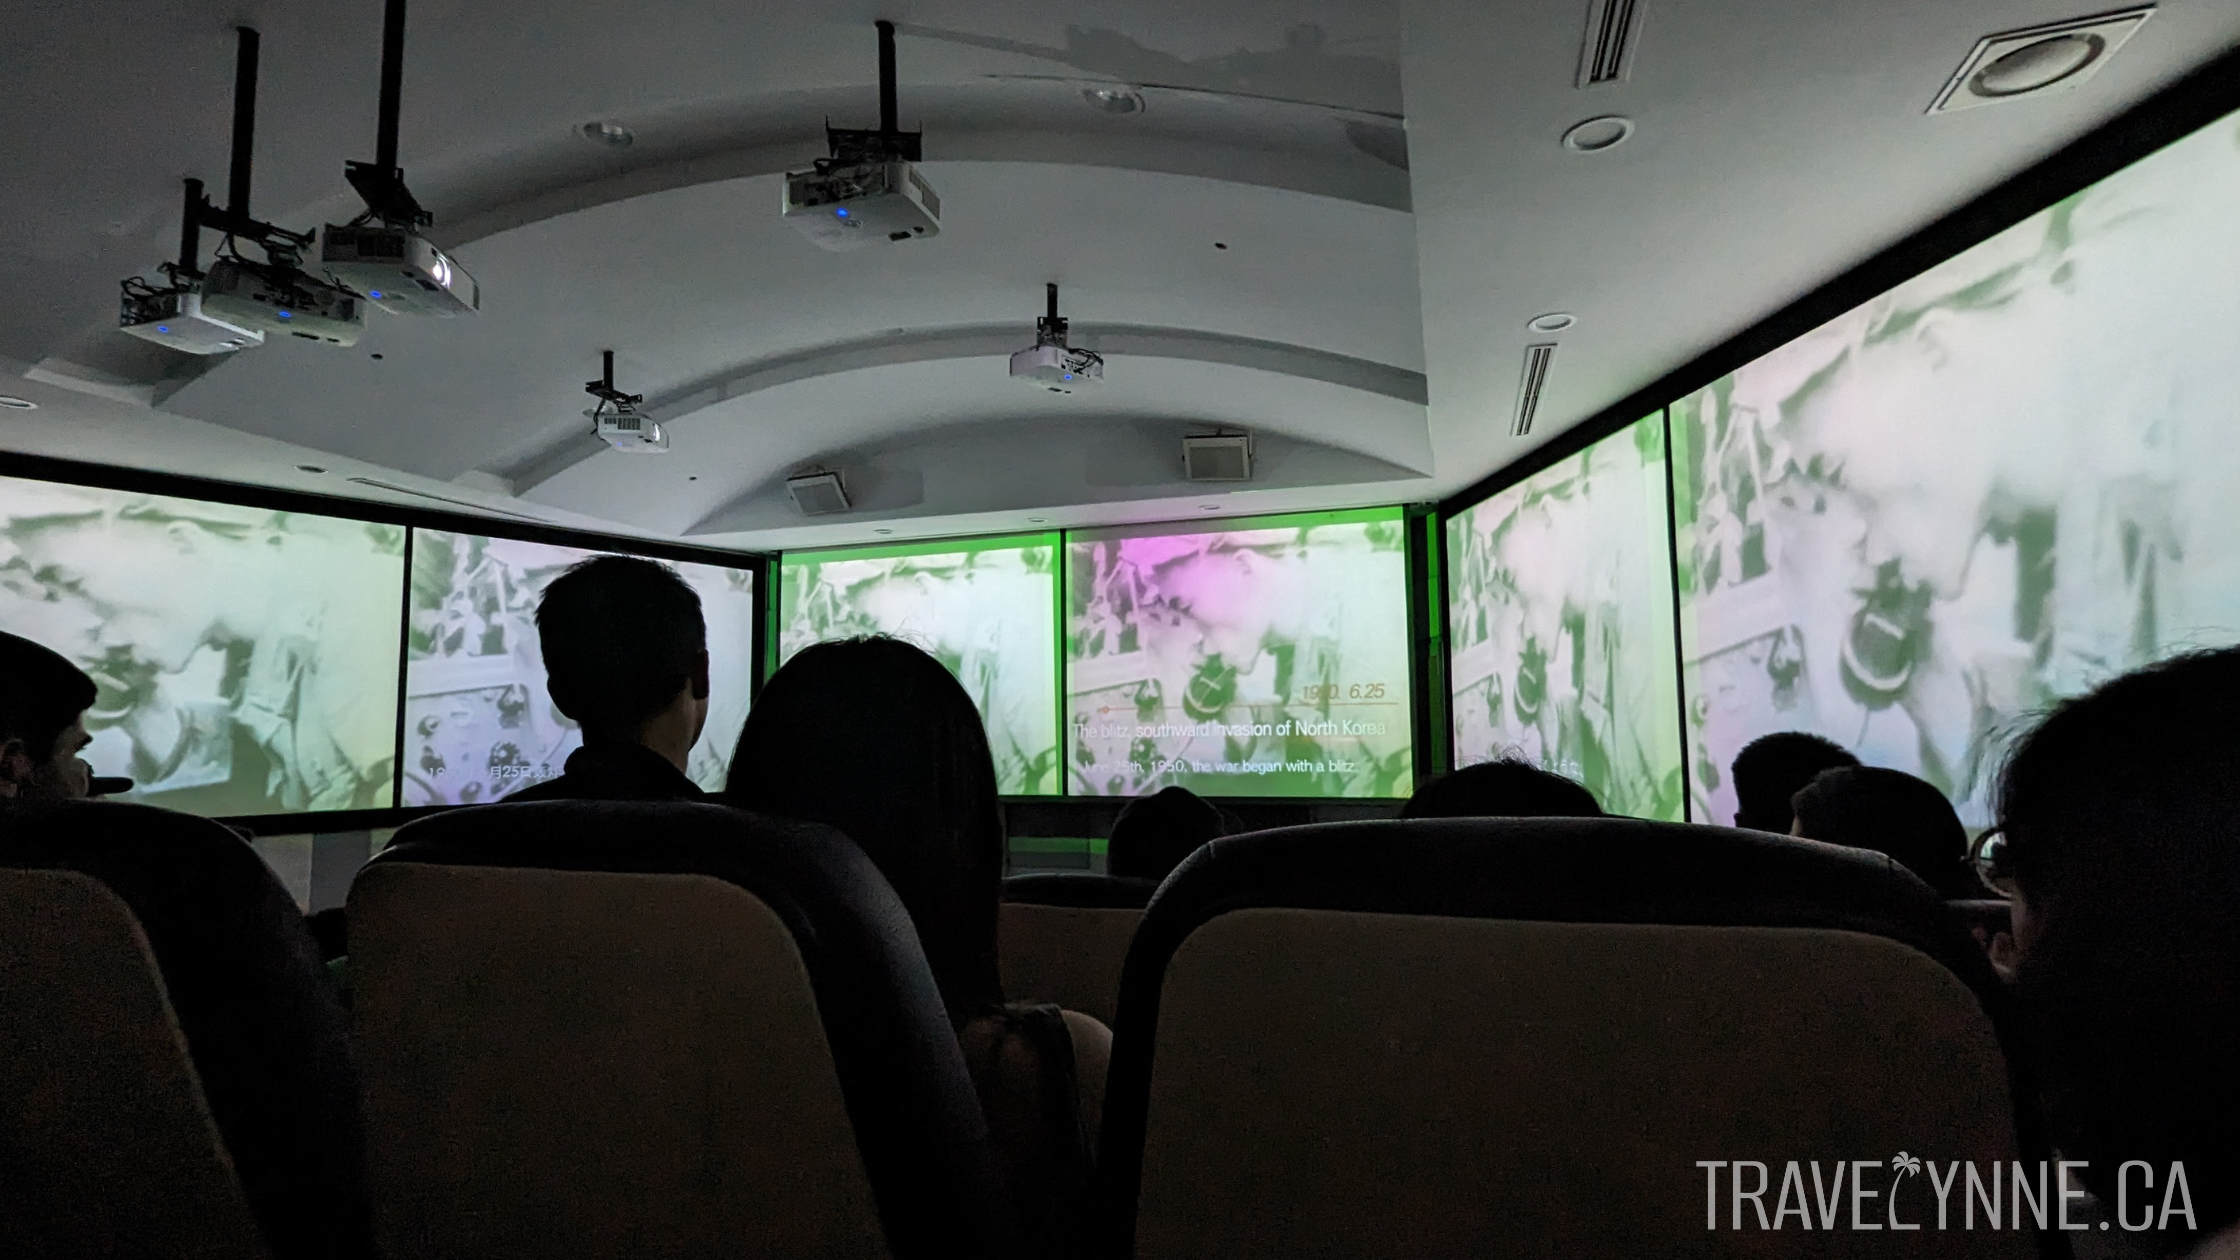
1508,788
1771,769
41,694
620,636
1154,833
876,739
1893,813
2121,812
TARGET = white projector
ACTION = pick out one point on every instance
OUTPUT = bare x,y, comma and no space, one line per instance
175,318
844,207
282,300
628,430
402,272
1059,369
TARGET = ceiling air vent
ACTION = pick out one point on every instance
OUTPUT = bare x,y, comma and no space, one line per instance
1536,362
2038,59
1220,457
818,494
1613,29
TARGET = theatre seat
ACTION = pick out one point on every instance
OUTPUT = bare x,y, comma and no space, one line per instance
175,1077
1464,1038
1064,935
600,1030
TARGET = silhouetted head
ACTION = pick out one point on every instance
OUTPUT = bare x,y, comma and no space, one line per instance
1771,769
874,737
1154,833
623,641
1508,788
1891,812
43,703
2122,820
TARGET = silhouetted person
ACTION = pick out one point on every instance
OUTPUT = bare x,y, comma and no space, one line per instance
43,703
878,740
2121,814
1154,833
626,656
1891,812
1771,769
1507,788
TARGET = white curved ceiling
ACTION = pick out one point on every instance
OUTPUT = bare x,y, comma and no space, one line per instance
1367,267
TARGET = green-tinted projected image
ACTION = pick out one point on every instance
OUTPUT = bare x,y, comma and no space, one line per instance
246,658
987,609
479,723
1998,484
1265,660
1559,608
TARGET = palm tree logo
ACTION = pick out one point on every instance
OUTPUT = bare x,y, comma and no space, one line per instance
1905,1164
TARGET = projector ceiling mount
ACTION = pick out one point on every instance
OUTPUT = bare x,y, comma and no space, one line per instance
616,418
869,188
1050,363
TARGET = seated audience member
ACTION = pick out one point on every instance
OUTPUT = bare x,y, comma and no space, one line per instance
1508,788
1154,833
626,656
43,703
2121,820
1891,812
875,738
1771,769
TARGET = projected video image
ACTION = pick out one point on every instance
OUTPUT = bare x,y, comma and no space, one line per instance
1267,660
1559,612
986,608
246,658
478,721
1998,484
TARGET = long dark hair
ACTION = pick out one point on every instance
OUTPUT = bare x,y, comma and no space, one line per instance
2122,817
874,737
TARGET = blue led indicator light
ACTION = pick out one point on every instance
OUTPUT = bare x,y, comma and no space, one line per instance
287,314
842,211
163,328
375,294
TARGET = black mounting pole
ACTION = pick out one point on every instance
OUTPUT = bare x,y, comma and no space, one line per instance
244,124
392,85
190,231
606,373
887,110
1053,291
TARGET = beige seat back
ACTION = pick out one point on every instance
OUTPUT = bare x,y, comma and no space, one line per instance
1070,955
107,1145
1350,1084
591,1064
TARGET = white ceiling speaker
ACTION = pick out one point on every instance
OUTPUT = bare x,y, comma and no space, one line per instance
818,493
1217,457
2039,59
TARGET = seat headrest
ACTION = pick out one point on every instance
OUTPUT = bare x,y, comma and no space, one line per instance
917,1121
264,1028
1079,890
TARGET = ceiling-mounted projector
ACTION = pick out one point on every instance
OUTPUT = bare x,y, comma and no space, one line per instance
398,270
1050,363
282,299
869,189
175,318
617,420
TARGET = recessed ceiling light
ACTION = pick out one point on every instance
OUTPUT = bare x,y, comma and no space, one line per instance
1596,134
309,468
13,403
612,134
1038,520
1117,99
2055,56
882,531
1209,507
1553,321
